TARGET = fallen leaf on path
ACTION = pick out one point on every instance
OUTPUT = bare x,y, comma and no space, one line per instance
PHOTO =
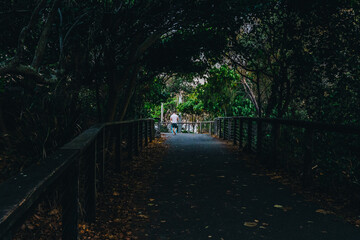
322,211
54,212
278,206
29,226
250,224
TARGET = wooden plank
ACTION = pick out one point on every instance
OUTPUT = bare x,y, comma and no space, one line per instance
129,140
152,130
90,185
249,135
84,140
136,138
345,129
308,157
234,131
275,132
100,144
241,130
147,124
19,193
118,140
259,137
70,203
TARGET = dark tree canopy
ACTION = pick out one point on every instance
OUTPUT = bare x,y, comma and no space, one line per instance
67,64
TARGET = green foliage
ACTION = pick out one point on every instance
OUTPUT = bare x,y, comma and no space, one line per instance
192,105
222,94
148,98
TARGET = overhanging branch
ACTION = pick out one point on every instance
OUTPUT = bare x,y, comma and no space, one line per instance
24,71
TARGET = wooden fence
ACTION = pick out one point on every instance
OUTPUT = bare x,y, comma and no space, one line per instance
330,153
62,170
192,127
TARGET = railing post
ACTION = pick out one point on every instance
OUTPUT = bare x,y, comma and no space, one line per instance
90,186
129,141
308,156
220,128
241,129
100,145
225,128
249,132
230,122
141,129
70,203
200,128
136,128
152,130
234,130
229,126
275,145
146,131
118,141
210,128
217,127
137,138
259,136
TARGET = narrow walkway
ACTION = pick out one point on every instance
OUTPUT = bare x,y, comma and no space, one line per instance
204,192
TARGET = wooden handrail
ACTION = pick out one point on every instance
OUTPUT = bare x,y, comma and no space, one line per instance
304,124
20,193
206,122
249,133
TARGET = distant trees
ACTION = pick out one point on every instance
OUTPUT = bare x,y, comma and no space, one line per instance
300,60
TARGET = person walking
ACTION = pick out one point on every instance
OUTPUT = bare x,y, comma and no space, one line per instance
174,118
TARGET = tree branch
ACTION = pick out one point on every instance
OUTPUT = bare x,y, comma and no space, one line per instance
24,32
40,49
23,70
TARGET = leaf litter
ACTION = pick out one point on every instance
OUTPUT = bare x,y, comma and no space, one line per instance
121,208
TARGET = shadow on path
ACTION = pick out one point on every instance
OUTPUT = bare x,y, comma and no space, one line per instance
204,192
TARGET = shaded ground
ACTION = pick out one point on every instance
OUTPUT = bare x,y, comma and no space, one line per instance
204,192
120,212
199,190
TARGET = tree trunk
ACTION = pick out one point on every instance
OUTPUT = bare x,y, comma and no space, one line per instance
130,74
129,91
258,94
24,32
40,48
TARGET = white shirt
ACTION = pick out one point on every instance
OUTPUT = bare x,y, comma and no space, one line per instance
174,118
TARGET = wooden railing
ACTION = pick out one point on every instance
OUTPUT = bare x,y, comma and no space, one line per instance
192,127
77,165
327,152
